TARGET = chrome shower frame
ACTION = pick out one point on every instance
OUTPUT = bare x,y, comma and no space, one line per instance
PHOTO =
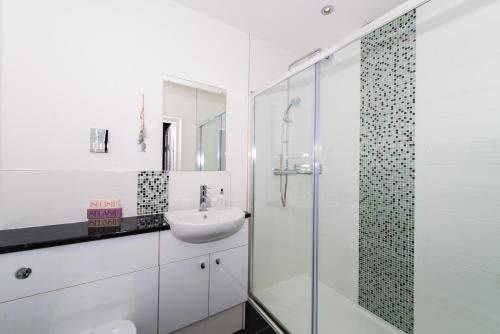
315,62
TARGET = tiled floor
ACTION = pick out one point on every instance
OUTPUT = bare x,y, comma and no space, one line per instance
254,323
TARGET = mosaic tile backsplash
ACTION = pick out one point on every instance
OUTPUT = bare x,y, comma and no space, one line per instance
152,192
387,172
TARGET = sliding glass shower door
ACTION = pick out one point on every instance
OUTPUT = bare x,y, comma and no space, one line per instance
401,209
283,199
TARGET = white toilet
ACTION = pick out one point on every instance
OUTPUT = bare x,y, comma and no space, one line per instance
113,327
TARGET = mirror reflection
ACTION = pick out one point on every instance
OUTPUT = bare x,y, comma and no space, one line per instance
194,126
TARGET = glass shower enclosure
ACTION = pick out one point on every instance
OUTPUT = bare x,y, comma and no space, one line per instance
283,199
376,181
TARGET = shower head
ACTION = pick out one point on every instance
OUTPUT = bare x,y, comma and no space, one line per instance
293,103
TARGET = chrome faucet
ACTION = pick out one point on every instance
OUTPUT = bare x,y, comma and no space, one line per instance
203,198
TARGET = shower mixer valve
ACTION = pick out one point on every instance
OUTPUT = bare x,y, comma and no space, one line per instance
305,169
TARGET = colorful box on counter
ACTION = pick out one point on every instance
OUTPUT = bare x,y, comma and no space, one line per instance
104,222
104,209
105,204
104,213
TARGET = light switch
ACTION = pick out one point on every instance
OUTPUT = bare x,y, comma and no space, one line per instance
98,140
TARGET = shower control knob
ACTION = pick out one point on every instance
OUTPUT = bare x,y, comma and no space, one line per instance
202,265
23,273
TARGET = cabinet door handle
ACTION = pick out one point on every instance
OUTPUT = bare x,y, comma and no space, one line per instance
217,261
202,265
23,273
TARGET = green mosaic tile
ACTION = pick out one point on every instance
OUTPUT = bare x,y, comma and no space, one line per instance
387,172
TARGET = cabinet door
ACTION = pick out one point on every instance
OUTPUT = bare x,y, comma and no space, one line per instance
183,293
228,279
77,309
60,267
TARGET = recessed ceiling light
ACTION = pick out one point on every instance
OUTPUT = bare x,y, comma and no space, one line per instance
327,10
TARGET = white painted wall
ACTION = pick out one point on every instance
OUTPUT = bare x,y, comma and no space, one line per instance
68,66
267,62
93,61
457,229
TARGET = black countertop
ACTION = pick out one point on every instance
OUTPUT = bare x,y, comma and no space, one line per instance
22,239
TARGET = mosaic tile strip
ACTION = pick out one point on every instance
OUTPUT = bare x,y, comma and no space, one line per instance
387,172
152,192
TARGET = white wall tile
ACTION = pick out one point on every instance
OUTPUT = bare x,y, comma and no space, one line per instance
339,182
36,198
457,236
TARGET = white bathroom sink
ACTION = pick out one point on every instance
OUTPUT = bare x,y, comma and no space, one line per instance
204,226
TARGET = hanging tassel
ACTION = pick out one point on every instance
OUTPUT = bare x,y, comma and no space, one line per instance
141,141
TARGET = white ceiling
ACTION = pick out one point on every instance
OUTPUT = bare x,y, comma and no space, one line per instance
296,25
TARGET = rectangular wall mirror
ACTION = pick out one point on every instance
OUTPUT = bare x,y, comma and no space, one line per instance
194,126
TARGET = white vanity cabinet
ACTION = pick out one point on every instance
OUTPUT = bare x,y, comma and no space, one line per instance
70,265
228,279
132,296
214,279
74,287
184,289
153,279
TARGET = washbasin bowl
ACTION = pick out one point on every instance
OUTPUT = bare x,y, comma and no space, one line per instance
197,227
